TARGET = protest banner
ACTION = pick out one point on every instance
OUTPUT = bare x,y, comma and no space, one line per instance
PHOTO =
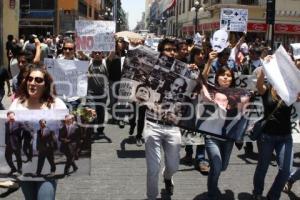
70,76
149,80
296,50
94,35
234,20
283,75
45,137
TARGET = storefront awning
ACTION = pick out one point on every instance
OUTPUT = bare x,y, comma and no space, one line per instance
252,27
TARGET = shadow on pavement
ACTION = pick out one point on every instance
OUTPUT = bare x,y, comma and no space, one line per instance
228,195
293,196
131,154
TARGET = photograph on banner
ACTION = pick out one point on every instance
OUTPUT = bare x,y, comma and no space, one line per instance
95,35
42,144
165,85
283,75
70,76
224,114
234,20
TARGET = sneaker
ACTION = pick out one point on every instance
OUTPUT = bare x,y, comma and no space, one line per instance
288,186
257,197
169,186
139,142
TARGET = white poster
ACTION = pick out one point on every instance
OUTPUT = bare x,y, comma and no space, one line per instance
30,137
234,20
95,35
283,75
70,76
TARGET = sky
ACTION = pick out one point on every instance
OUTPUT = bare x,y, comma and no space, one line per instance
134,8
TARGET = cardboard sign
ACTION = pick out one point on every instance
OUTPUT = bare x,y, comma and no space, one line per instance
95,35
234,20
283,75
70,76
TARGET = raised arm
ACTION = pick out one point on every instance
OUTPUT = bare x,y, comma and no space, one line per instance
260,84
207,67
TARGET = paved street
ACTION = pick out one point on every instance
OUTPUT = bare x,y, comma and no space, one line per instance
119,172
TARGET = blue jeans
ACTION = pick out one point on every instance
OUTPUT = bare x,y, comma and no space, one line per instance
283,146
295,176
218,152
39,190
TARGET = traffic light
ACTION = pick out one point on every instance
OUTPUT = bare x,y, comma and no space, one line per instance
270,18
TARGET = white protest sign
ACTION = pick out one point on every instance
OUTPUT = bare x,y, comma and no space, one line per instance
283,75
234,20
95,35
198,39
70,76
296,50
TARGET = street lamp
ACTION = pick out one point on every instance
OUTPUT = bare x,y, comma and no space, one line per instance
196,8
119,22
163,21
108,13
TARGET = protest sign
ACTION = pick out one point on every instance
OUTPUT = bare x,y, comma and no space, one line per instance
296,50
283,75
45,137
94,35
234,20
168,82
219,41
70,76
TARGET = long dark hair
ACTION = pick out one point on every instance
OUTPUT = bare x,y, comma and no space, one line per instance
49,92
221,71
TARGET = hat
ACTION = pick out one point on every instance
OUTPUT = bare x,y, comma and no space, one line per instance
296,50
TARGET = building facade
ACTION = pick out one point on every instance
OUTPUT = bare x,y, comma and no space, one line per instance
54,16
181,20
9,24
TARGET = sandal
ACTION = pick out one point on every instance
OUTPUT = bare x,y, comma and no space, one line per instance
288,186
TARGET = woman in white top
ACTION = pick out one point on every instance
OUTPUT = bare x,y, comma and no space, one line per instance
37,91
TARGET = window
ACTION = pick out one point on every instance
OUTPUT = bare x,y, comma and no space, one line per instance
183,6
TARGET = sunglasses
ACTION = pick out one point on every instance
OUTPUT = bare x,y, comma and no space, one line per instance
36,79
170,49
68,48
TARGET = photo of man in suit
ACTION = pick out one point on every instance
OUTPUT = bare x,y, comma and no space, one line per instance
27,137
69,136
13,143
45,145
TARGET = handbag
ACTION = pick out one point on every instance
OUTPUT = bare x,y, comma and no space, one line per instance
260,124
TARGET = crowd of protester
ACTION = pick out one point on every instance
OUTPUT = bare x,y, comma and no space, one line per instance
240,56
